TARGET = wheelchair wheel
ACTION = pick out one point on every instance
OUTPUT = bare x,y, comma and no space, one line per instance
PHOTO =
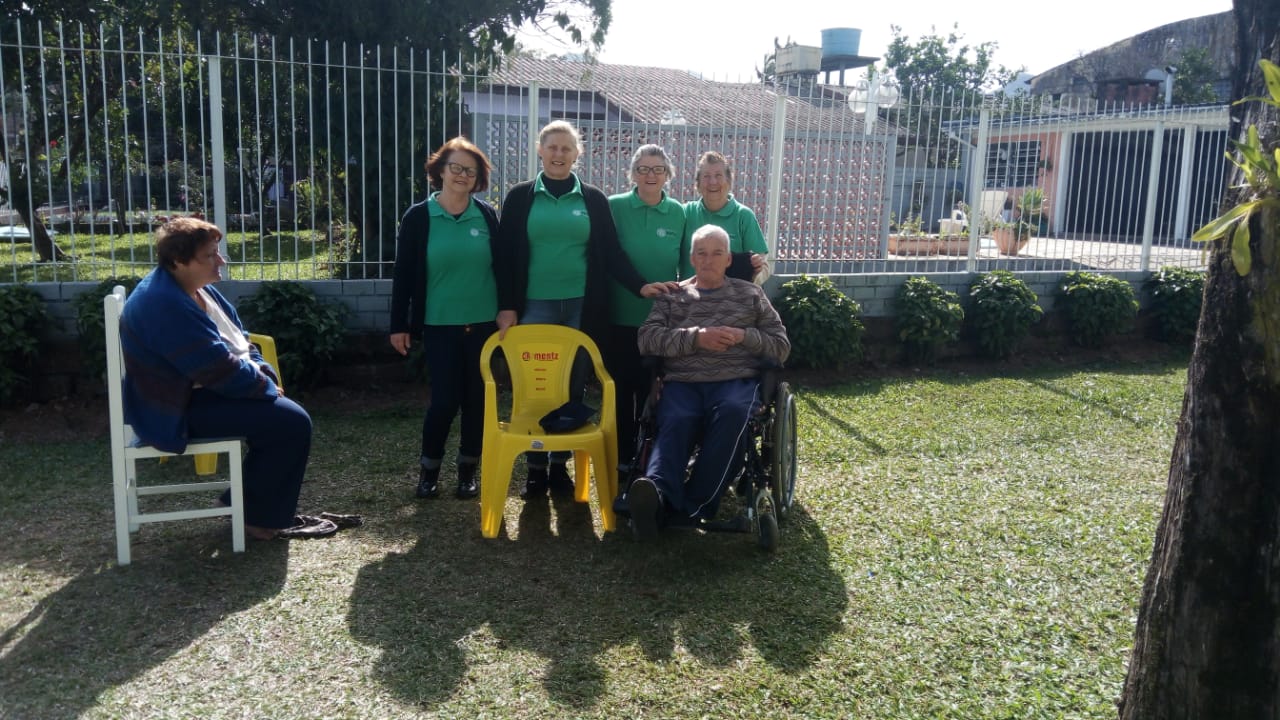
766,521
767,532
782,465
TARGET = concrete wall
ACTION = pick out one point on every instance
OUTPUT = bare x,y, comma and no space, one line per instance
369,301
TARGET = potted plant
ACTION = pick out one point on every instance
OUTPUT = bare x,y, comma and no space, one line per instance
908,237
1031,208
1011,236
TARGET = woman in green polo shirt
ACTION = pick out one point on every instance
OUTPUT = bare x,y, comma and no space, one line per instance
444,292
651,230
556,245
716,206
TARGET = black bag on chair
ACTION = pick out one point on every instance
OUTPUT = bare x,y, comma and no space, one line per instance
567,418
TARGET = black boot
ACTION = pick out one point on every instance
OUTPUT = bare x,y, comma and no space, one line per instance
468,487
428,482
535,486
558,480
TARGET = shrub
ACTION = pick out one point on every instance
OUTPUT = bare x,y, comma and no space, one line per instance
928,318
1097,306
1175,302
22,318
91,326
824,325
1003,309
306,331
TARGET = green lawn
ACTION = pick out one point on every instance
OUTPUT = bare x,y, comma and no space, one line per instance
964,546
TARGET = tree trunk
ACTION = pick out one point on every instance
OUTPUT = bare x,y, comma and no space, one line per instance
20,200
1207,643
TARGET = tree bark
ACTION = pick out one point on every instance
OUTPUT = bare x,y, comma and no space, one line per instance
1207,642
20,200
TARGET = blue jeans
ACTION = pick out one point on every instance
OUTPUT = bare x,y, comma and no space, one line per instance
567,312
278,434
452,353
716,412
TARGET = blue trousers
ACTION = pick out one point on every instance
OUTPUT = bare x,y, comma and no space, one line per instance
716,412
567,312
278,433
453,360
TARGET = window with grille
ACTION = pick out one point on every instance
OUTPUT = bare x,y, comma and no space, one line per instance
1013,164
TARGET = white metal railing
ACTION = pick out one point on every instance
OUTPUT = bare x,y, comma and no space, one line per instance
307,153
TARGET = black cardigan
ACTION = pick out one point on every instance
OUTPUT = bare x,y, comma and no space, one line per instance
604,254
409,278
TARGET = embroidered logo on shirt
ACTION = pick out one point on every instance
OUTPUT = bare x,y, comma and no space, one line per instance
475,232
578,213
662,232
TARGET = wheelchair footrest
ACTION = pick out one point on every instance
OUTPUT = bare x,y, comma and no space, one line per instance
739,524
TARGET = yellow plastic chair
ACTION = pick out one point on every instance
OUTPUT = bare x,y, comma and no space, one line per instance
540,360
207,463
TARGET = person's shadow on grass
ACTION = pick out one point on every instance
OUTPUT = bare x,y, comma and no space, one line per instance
108,625
459,611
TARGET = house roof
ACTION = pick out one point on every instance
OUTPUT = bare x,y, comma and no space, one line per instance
1154,48
661,95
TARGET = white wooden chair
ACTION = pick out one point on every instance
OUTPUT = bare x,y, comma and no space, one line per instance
126,449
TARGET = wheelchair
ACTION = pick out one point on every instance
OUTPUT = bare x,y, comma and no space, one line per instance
764,489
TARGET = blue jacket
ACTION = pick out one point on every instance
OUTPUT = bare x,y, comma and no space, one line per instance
169,345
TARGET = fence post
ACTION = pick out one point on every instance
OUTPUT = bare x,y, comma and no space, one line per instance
1153,192
1182,215
531,169
977,180
775,174
217,152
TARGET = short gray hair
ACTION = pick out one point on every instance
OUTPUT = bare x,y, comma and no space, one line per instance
651,150
707,232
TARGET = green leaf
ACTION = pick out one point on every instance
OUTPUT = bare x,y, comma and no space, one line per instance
1241,256
1220,225
1271,74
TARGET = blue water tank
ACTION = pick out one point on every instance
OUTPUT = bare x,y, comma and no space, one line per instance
840,41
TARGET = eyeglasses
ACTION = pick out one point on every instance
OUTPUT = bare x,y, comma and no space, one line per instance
718,177
650,170
457,169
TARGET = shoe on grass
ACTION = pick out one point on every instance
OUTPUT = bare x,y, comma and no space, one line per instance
468,487
646,509
428,482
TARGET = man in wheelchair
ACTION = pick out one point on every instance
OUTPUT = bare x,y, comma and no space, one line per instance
713,335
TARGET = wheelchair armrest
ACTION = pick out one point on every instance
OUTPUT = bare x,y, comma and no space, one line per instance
770,376
652,364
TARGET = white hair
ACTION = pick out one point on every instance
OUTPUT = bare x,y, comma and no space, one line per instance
707,232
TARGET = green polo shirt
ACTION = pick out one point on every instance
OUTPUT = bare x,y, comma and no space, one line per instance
653,238
558,229
737,220
460,284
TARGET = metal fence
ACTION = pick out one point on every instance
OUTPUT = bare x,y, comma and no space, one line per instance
307,153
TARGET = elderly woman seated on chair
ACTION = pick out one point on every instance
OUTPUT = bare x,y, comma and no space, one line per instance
190,372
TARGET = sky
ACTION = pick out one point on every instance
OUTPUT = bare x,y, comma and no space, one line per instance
728,41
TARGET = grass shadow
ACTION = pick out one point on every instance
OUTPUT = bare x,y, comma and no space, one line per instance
565,599
106,626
